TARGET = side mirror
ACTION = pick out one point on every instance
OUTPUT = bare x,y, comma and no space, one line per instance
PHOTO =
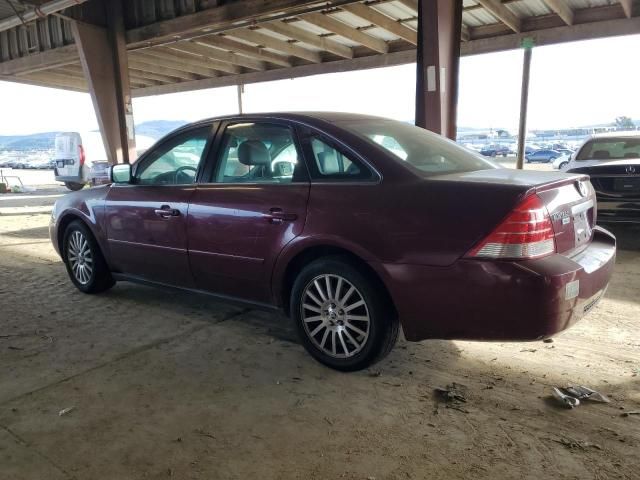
121,173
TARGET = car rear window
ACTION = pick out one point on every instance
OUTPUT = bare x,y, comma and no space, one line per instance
610,149
425,151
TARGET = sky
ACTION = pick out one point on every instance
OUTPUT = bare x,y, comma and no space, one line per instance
572,84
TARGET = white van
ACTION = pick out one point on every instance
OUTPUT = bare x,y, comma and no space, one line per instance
74,156
76,153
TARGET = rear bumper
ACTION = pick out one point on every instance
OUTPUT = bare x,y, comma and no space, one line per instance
71,178
493,300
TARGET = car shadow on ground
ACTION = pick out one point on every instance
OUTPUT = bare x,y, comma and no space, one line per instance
29,233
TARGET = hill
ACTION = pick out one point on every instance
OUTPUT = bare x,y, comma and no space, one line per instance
44,141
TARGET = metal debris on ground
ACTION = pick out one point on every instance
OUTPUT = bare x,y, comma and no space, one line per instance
65,411
586,393
570,396
454,395
628,414
571,443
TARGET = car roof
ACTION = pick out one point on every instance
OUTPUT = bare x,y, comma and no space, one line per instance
305,117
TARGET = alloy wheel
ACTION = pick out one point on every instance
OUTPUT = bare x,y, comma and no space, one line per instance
335,316
80,257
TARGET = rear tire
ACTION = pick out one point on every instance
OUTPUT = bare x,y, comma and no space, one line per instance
85,263
74,187
562,165
343,318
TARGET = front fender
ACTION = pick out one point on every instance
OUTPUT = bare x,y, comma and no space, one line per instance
85,205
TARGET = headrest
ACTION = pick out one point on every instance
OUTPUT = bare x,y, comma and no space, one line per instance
253,152
600,155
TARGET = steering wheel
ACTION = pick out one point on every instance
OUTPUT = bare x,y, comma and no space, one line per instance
182,169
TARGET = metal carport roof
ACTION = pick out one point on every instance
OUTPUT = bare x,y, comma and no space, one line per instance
192,44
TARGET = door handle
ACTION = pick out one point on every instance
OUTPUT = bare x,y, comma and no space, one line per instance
165,211
277,215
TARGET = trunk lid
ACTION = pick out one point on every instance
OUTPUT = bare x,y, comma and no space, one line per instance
569,199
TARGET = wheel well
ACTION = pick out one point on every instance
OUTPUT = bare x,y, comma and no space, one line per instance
62,227
311,254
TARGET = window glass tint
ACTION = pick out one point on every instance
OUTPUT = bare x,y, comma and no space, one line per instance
431,154
175,162
258,152
610,149
329,163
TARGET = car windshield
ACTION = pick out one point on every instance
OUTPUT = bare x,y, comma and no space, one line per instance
431,154
610,149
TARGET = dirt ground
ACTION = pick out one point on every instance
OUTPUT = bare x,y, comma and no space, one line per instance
168,385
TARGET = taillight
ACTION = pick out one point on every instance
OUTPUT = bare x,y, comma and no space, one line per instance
81,154
527,232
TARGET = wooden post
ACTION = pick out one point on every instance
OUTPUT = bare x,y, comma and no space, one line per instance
103,55
437,69
527,44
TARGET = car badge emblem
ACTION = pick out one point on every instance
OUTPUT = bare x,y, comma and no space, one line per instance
631,169
582,188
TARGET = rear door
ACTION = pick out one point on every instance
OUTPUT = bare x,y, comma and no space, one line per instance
68,155
146,220
255,202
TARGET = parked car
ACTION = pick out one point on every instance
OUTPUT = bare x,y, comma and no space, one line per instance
617,186
564,151
562,162
352,225
544,156
495,150
613,163
75,154
606,147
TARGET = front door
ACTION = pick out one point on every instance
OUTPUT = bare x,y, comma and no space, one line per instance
146,220
254,204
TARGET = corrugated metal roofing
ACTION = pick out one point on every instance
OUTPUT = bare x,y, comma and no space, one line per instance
478,23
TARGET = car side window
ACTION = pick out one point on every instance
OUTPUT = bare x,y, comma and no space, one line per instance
176,161
331,164
259,152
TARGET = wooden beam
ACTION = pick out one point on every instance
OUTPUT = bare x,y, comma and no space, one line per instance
249,50
158,77
169,60
40,61
345,65
502,13
465,35
552,36
562,8
281,46
198,51
216,20
410,4
58,79
191,58
304,36
329,23
229,57
627,6
150,66
386,23
26,80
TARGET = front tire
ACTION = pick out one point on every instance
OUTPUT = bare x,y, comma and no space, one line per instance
85,263
563,165
73,186
343,318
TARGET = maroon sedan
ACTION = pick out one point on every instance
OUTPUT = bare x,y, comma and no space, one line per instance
353,225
